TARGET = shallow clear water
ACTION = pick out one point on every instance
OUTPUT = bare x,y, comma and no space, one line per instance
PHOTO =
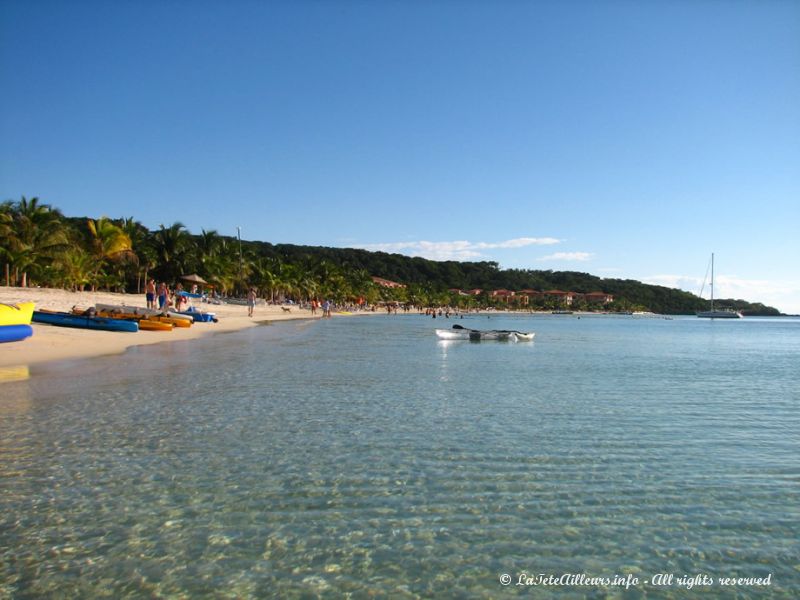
364,456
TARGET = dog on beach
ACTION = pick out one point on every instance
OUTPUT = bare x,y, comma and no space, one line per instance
286,309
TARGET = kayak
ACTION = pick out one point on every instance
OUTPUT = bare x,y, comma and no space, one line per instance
145,323
199,316
472,334
14,333
142,312
462,333
16,314
171,321
62,319
150,325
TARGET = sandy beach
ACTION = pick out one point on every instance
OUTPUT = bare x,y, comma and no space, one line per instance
50,343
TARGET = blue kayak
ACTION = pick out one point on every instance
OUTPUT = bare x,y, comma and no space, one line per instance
199,316
84,322
14,333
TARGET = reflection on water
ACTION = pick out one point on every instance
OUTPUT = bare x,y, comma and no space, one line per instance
8,374
364,457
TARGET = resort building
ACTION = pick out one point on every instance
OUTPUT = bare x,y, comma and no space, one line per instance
524,298
387,283
503,295
597,297
564,298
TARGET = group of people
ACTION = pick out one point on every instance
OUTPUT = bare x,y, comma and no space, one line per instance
325,306
162,298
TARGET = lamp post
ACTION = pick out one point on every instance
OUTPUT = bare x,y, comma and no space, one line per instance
239,235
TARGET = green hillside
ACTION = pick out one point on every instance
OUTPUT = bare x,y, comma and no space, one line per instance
40,246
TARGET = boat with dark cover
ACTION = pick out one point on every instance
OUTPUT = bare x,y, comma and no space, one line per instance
459,332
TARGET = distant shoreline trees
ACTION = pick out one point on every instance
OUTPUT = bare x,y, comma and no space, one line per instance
39,246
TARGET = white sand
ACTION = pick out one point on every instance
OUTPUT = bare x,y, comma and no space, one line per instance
50,343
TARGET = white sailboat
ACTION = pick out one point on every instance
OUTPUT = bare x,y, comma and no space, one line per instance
724,313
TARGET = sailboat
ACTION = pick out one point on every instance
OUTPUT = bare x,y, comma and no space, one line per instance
724,313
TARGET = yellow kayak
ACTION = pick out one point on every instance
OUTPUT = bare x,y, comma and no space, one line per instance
151,322
150,325
171,321
16,314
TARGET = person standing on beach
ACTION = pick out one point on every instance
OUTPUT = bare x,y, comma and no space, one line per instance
251,301
150,293
163,296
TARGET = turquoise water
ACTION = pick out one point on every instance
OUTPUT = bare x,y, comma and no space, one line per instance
363,457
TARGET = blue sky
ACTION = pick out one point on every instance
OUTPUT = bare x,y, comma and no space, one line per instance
624,139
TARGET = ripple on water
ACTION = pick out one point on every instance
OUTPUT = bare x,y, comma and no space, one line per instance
361,456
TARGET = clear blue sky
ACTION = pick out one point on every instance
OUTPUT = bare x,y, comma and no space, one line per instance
623,139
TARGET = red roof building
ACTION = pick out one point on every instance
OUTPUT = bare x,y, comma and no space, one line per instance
387,283
598,297
565,297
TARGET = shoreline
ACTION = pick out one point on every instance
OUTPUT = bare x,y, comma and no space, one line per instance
52,344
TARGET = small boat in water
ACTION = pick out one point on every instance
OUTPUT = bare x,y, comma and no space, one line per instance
459,332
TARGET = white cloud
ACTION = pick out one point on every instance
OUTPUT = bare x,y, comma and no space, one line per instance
456,250
520,243
568,256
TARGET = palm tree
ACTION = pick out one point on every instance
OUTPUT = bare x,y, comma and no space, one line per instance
171,245
33,234
145,259
75,268
110,245
210,244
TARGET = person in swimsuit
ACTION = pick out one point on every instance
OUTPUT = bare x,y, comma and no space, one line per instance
251,301
163,295
150,293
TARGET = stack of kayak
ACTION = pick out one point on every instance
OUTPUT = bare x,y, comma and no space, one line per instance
171,317
149,320
113,317
15,321
190,316
475,335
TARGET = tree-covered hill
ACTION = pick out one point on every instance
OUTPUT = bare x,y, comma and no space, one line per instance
487,275
40,246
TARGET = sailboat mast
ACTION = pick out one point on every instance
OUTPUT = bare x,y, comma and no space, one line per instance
712,281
